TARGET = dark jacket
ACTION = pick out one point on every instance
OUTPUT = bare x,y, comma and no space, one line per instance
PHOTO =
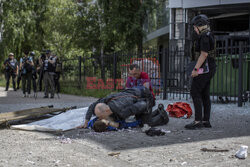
126,103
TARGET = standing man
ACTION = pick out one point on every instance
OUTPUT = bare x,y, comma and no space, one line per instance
137,78
11,70
204,46
26,65
49,72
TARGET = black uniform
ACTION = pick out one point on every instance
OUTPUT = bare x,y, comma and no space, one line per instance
26,73
201,84
10,71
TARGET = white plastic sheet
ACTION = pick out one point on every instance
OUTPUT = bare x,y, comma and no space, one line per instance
62,122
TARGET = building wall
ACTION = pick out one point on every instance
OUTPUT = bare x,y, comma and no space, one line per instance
202,3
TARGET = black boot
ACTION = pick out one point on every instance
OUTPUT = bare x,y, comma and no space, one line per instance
163,113
206,124
194,125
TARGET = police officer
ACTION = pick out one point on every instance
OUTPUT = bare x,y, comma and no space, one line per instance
203,72
48,74
11,70
26,65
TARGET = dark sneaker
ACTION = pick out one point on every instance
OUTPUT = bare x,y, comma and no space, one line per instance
52,97
207,124
194,125
45,97
6,90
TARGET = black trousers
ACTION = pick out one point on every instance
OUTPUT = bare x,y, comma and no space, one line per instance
19,77
26,82
200,92
8,75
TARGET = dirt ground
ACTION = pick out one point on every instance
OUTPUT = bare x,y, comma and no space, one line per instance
82,147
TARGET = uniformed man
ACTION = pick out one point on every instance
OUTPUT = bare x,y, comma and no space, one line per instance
11,70
26,65
203,72
48,74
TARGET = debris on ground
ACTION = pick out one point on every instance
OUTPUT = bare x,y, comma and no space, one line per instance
214,150
114,154
183,163
155,132
242,153
64,140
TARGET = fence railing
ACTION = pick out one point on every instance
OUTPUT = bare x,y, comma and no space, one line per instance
167,69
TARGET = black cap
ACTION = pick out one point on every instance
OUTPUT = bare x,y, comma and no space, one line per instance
48,51
200,20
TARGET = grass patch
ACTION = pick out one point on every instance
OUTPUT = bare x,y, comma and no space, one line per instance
2,81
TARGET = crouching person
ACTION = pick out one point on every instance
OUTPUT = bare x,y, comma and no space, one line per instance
112,111
122,105
156,118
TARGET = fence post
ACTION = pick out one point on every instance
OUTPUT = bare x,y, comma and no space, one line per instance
84,72
114,69
164,63
240,75
80,70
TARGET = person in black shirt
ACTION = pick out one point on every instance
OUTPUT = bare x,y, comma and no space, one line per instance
203,72
26,65
11,70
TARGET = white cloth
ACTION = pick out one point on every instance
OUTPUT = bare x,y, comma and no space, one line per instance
62,122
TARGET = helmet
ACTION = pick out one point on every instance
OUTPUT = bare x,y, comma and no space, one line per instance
11,54
200,20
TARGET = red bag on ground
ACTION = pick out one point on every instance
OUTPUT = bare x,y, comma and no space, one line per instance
179,109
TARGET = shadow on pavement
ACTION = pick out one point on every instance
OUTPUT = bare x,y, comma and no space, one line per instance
226,124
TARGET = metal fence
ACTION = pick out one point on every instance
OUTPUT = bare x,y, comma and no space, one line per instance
167,69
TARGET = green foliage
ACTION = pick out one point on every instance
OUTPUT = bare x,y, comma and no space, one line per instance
65,25
69,28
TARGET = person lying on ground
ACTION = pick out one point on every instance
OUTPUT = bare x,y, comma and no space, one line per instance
110,125
122,105
156,118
